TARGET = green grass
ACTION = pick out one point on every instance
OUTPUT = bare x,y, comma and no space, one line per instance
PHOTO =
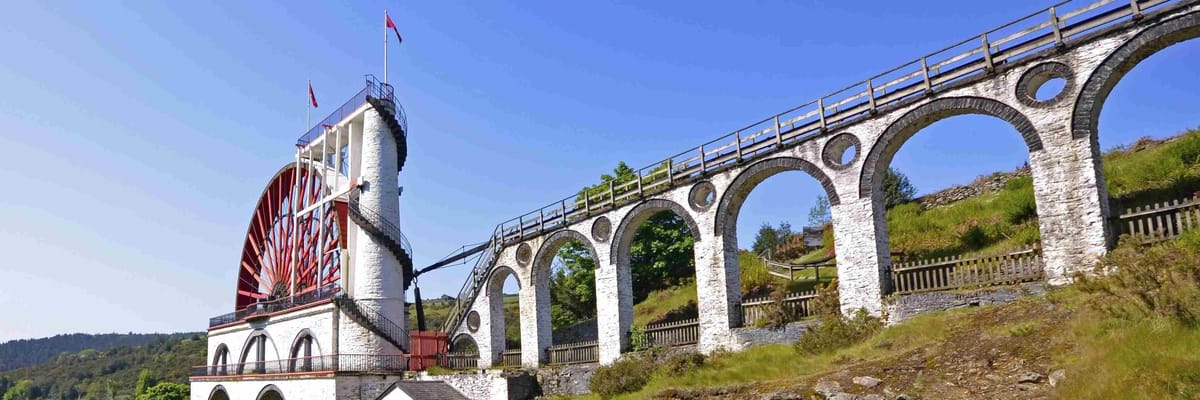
659,303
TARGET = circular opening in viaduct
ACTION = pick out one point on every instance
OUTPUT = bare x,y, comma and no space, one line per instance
1045,84
473,321
841,151
601,229
702,196
524,254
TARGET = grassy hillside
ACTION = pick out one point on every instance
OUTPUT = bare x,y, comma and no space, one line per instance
111,373
1104,338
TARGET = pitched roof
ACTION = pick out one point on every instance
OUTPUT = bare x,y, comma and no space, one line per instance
429,390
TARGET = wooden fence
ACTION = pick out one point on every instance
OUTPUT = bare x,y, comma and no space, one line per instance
574,353
510,358
1159,221
798,305
454,360
958,272
671,334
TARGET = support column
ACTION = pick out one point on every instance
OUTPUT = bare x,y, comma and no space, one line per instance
614,306
719,290
489,338
1072,202
859,232
536,333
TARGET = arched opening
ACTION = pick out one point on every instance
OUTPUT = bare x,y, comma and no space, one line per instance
218,393
464,343
776,223
1142,124
254,354
504,288
565,270
220,361
655,260
270,392
950,202
304,354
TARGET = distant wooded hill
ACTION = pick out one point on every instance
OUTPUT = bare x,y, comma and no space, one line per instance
26,352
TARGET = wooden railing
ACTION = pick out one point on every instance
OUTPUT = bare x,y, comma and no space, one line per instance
799,305
667,334
574,353
788,271
454,360
510,358
959,272
1159,221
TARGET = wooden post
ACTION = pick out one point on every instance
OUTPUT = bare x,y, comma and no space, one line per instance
925,71
671,172
587,202
703,164
639,178
871,94
738,136
542,220
1058,37
1136,9
821,111
987,53
612,192
778,133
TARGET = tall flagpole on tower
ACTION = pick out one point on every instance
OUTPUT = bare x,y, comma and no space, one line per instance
308,108
385,40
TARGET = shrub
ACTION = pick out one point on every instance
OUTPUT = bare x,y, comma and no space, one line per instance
626,375
827,301
777,314
837,332
681,363
1160,281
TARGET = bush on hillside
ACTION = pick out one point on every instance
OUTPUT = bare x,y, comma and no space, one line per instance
776,314
628,374
681,363
1156,282
828,301
836,332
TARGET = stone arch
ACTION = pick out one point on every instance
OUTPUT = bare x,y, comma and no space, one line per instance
220,361
496,314
735,194
269,392
462,339
623,235
218,393
258,341
546,252
896,134
302,353
1086,115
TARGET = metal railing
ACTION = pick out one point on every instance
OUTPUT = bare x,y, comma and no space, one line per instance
305,297
944,273
373,89
1159,221
385,227
375,319
574,353
366,363
798,306
1014,41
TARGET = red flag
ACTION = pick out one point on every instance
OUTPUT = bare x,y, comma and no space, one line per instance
312,97
393,26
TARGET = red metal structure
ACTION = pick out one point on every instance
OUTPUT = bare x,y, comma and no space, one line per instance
295,239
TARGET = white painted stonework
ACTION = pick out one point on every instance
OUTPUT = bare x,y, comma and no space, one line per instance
1072,205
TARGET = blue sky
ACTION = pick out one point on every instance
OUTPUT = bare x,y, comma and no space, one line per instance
138,136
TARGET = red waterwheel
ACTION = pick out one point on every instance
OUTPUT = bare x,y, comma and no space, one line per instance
277,244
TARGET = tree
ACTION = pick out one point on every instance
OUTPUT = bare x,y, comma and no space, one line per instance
573,286
23,390
897,189
819,214
166,391
769,237
144,382
661,254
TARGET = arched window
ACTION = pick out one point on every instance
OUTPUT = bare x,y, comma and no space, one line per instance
254,355
270,392
301,359
220,361
219,393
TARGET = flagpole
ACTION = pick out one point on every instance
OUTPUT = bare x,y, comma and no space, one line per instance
308,108
385,40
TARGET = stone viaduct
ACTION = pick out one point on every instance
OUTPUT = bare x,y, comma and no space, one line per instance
844,141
